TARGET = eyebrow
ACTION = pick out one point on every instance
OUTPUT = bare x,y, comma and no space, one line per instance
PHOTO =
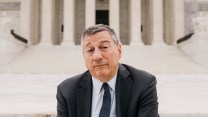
87,44
105,41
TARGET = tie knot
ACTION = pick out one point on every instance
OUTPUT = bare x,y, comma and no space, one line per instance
105,86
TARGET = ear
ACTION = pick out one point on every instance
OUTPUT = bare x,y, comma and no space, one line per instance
120,49
83,51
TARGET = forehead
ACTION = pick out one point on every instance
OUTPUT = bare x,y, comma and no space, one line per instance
98,37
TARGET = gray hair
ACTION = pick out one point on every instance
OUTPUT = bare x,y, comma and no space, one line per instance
98,28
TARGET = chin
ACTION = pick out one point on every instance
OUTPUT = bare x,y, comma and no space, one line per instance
101,74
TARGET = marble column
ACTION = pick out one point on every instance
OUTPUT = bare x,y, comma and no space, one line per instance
179,19
169,19
157,24
89,13
30,21
69,22
147,21
114,15
135,22
25,19
47,22
174,20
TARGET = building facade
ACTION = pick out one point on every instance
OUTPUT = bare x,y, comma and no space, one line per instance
61,22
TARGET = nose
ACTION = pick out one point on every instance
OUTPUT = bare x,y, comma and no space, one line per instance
97,55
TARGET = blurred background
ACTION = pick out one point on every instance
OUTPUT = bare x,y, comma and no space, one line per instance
40,47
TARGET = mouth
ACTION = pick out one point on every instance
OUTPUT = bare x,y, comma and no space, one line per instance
98,66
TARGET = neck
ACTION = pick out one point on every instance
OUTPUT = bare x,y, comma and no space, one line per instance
105,79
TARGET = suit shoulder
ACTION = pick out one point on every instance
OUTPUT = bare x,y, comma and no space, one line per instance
138,74
71,82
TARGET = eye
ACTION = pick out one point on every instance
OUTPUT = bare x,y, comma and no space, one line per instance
90,50
104,47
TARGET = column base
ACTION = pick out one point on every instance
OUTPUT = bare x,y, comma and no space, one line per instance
67,43
137,42
45,43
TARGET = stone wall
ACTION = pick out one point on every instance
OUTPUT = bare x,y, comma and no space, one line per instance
9,19
196,47
203,5
191,11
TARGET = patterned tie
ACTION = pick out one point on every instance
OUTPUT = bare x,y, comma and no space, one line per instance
105,109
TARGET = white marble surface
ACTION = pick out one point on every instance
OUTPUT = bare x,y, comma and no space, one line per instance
30,95
158,58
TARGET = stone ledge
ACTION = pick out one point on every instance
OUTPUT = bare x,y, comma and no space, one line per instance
27,115
159,59
34,95
9,6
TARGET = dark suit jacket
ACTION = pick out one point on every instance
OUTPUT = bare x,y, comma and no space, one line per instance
136,94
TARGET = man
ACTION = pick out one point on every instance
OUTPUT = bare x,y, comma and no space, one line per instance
108,88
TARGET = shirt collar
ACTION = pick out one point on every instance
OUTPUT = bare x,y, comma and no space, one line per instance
97,84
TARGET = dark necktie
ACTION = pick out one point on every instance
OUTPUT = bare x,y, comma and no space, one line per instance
105,109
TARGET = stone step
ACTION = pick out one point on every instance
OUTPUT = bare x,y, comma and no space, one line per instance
35,95
28,115
159,59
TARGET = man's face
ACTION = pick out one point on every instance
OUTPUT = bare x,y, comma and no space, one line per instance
101,55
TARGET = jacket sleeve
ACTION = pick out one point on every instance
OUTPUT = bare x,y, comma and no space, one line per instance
148,104
62,109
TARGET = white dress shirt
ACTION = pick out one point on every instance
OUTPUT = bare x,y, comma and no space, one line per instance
97,96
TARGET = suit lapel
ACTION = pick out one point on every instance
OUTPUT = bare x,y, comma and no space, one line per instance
84,96
123,89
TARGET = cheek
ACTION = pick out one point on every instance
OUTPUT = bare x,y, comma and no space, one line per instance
114,57
87,62
115,60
